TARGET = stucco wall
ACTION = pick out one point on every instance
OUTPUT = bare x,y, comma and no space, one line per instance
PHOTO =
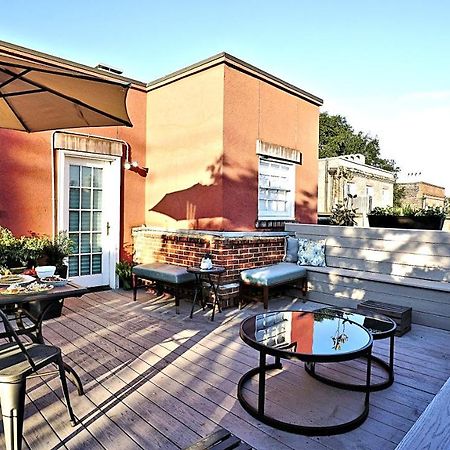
185,151
26,178
256,110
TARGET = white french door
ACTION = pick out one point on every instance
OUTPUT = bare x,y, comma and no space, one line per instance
89,209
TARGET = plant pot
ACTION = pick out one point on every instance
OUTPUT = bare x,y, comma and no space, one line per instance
406,222
36,307
125,283
62,270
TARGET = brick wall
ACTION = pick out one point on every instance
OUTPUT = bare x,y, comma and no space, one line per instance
234,251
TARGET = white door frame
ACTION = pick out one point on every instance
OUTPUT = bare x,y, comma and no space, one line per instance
113,190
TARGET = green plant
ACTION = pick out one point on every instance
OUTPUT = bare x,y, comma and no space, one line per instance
409,211
124,271
343,213
55,250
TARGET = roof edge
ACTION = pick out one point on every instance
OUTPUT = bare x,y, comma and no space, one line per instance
238,64
57,60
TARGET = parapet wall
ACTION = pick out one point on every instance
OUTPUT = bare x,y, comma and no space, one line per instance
235,251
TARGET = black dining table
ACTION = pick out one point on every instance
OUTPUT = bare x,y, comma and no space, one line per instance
28,311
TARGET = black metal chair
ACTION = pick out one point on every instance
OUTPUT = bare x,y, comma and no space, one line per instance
19,361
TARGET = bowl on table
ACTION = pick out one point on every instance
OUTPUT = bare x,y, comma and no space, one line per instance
55,281
45,271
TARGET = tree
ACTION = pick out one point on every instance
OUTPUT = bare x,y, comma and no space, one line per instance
337,138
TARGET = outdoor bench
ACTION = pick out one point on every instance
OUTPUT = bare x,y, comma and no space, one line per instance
163,274
409,268
269,276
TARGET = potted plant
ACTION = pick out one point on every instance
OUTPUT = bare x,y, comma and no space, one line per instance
408,217
124,272
55,251
343,213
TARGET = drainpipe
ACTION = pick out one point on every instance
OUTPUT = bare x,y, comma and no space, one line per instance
53,148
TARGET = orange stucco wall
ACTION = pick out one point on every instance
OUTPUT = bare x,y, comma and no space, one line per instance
184,152
26,178
256,110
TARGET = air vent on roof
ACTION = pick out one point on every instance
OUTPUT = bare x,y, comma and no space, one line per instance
108,69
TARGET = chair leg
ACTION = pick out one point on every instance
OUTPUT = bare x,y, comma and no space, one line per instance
12,398
304,286
62,376
134,282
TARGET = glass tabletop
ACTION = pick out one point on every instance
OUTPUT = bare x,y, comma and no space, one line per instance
305,334
377,324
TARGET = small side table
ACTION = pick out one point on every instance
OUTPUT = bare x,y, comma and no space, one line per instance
206,275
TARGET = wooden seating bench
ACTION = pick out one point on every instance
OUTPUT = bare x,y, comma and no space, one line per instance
163,274
408,268
269,276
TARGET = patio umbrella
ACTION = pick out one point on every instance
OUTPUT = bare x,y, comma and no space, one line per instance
37,96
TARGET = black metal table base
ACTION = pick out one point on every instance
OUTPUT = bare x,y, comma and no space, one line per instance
199,289
374,387
308,430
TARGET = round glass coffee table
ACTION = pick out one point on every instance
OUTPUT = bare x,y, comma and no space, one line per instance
310,337
380,327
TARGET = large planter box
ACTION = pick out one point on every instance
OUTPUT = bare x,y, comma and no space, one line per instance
406,222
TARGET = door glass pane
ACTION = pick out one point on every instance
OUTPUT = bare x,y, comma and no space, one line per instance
73,266
85,265
96,263
98,175
85,198
86,176
97,199
85,243
74,221
85,221
74,198
96,242
74,238
74,175
96,221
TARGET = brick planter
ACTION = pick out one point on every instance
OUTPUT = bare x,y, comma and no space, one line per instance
235,251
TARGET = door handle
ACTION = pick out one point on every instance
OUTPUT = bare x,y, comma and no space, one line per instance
108,226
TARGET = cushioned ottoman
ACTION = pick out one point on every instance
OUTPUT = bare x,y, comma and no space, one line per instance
168,274
270,276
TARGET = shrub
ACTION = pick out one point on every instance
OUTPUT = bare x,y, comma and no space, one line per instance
409,211
124,271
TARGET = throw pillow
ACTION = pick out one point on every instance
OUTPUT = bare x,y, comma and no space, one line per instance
311,253
290,249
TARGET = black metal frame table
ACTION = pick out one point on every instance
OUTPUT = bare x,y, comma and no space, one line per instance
34,331
380,327
331,339
206,274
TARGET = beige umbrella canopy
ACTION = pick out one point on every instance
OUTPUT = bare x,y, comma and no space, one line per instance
37,96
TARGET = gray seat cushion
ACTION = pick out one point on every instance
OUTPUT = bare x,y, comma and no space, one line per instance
168,273
272,275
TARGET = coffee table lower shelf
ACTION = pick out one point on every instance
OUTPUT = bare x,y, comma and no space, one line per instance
258,412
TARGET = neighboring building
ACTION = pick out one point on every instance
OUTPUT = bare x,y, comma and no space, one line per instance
349,174
421,194
228,146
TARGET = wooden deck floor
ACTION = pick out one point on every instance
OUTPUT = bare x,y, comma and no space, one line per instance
154,379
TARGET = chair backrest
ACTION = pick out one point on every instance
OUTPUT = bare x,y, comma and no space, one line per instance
10,330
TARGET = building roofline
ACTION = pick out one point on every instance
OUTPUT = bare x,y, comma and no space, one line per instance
18,50
341,158
421,182
238,64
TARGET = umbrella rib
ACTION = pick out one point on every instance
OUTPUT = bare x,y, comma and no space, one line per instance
76,101
63,71
18,117
13,76
16,94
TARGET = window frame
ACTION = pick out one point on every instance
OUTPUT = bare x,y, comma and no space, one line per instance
268,166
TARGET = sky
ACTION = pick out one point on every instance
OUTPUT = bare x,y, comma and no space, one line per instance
384,65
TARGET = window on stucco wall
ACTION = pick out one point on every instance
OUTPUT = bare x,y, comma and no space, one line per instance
276,189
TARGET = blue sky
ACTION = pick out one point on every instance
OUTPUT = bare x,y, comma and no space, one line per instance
384,65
